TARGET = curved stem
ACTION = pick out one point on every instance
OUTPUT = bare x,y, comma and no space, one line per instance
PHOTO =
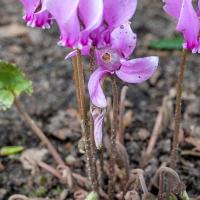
35,128
179,89
120,133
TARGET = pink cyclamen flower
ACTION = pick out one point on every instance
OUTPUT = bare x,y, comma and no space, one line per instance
76,19
188,21
113,61
115,13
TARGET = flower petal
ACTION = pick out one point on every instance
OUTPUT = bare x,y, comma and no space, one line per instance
98,117
65,13
30,6
137,70
188,18
94,86
33,18
90,13
173,7
123,39
117,12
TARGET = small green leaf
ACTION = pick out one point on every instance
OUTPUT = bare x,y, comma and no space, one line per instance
92,196
12,84
6,99
167,44
10,150
185,196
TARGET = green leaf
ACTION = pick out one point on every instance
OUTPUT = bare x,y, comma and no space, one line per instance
185,196
10,150
12,84
92,196
6,99
167,44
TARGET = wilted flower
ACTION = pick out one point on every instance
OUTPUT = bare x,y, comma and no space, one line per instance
113,61
188,21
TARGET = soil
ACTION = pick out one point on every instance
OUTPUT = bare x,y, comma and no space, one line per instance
53,104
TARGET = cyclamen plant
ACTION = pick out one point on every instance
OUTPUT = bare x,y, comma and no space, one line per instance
102,26
113,60
188,21
188,24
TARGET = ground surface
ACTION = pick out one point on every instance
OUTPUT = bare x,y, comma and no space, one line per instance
53,102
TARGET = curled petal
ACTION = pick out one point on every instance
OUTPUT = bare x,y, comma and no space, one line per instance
65,14
34,18
98,117
137,70
94,86
40,19
71,54
30,6
119,11
188,18
173,7
90,13
123,39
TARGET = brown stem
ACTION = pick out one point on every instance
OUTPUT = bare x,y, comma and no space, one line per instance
80,90
179,89
26,117
101,166
92,146
111,185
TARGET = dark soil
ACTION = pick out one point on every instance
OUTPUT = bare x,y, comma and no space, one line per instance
53,103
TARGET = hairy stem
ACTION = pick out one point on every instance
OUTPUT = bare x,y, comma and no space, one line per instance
80,93
35,128
92,146
111,185
179,89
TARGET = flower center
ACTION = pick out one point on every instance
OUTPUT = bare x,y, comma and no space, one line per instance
107,57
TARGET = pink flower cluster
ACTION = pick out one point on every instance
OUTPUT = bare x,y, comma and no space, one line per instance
103,24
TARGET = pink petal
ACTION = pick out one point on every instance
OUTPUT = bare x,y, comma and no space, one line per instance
33,18
188,24
137,70
71,54
173,7
90,13
98,117
65,13
117,12
30,6
94,86
123,39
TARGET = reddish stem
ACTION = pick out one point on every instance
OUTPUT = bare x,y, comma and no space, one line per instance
179,89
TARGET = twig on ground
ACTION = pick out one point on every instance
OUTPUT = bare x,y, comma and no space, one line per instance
36,130
163,120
